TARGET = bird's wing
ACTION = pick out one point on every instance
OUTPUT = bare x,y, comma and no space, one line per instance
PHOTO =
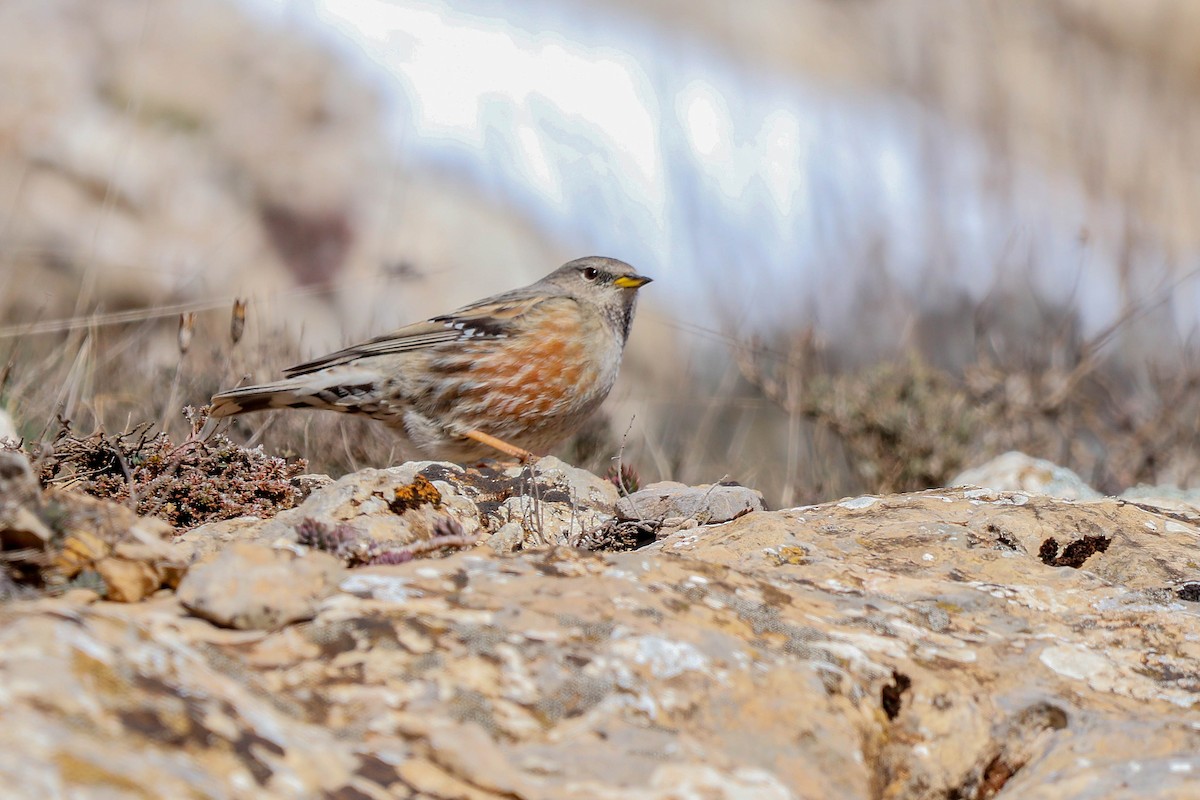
490,319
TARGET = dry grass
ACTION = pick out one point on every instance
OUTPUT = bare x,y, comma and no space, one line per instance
117,378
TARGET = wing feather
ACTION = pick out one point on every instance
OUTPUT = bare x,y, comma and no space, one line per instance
492,319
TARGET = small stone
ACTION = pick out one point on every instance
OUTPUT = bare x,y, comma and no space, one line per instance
367,497
79,597
20,529
1016,472
508,539
252,586
8,428
128,581
311,482
707,504
587,488
211,538
81,550
555,502
16,475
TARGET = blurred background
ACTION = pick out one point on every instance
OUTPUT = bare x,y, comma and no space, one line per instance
890,239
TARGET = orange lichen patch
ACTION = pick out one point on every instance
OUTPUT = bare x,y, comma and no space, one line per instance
414,495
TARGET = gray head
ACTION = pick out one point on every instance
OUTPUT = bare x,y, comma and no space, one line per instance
608,283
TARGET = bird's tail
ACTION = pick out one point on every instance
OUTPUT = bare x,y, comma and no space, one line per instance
333,390
257,398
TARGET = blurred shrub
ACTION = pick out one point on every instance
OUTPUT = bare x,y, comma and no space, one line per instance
908,425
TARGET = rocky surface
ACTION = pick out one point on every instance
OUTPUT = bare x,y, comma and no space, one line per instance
516,507
965,643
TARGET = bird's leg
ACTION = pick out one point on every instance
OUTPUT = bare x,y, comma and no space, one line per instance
524,456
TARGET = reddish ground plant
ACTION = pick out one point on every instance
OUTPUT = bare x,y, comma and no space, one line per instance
187,484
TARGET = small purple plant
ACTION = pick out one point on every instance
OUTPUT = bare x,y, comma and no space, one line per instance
357,549
339,541
397,556
447,532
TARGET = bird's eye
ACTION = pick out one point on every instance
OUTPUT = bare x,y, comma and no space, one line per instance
591,273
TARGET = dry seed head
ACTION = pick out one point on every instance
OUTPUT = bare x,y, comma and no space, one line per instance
187,326
237,323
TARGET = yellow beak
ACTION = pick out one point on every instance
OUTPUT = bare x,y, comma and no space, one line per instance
632,281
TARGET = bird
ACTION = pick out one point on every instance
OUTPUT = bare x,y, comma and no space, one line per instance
516,373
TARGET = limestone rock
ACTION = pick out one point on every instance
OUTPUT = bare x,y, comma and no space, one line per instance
553,502
17,482
368,500
310,482
581,486
20,526
676,506
508,539
1017,472
20,495
128,580
1170,497
549,501
21,529
8,428
249,586
109,539
949,643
